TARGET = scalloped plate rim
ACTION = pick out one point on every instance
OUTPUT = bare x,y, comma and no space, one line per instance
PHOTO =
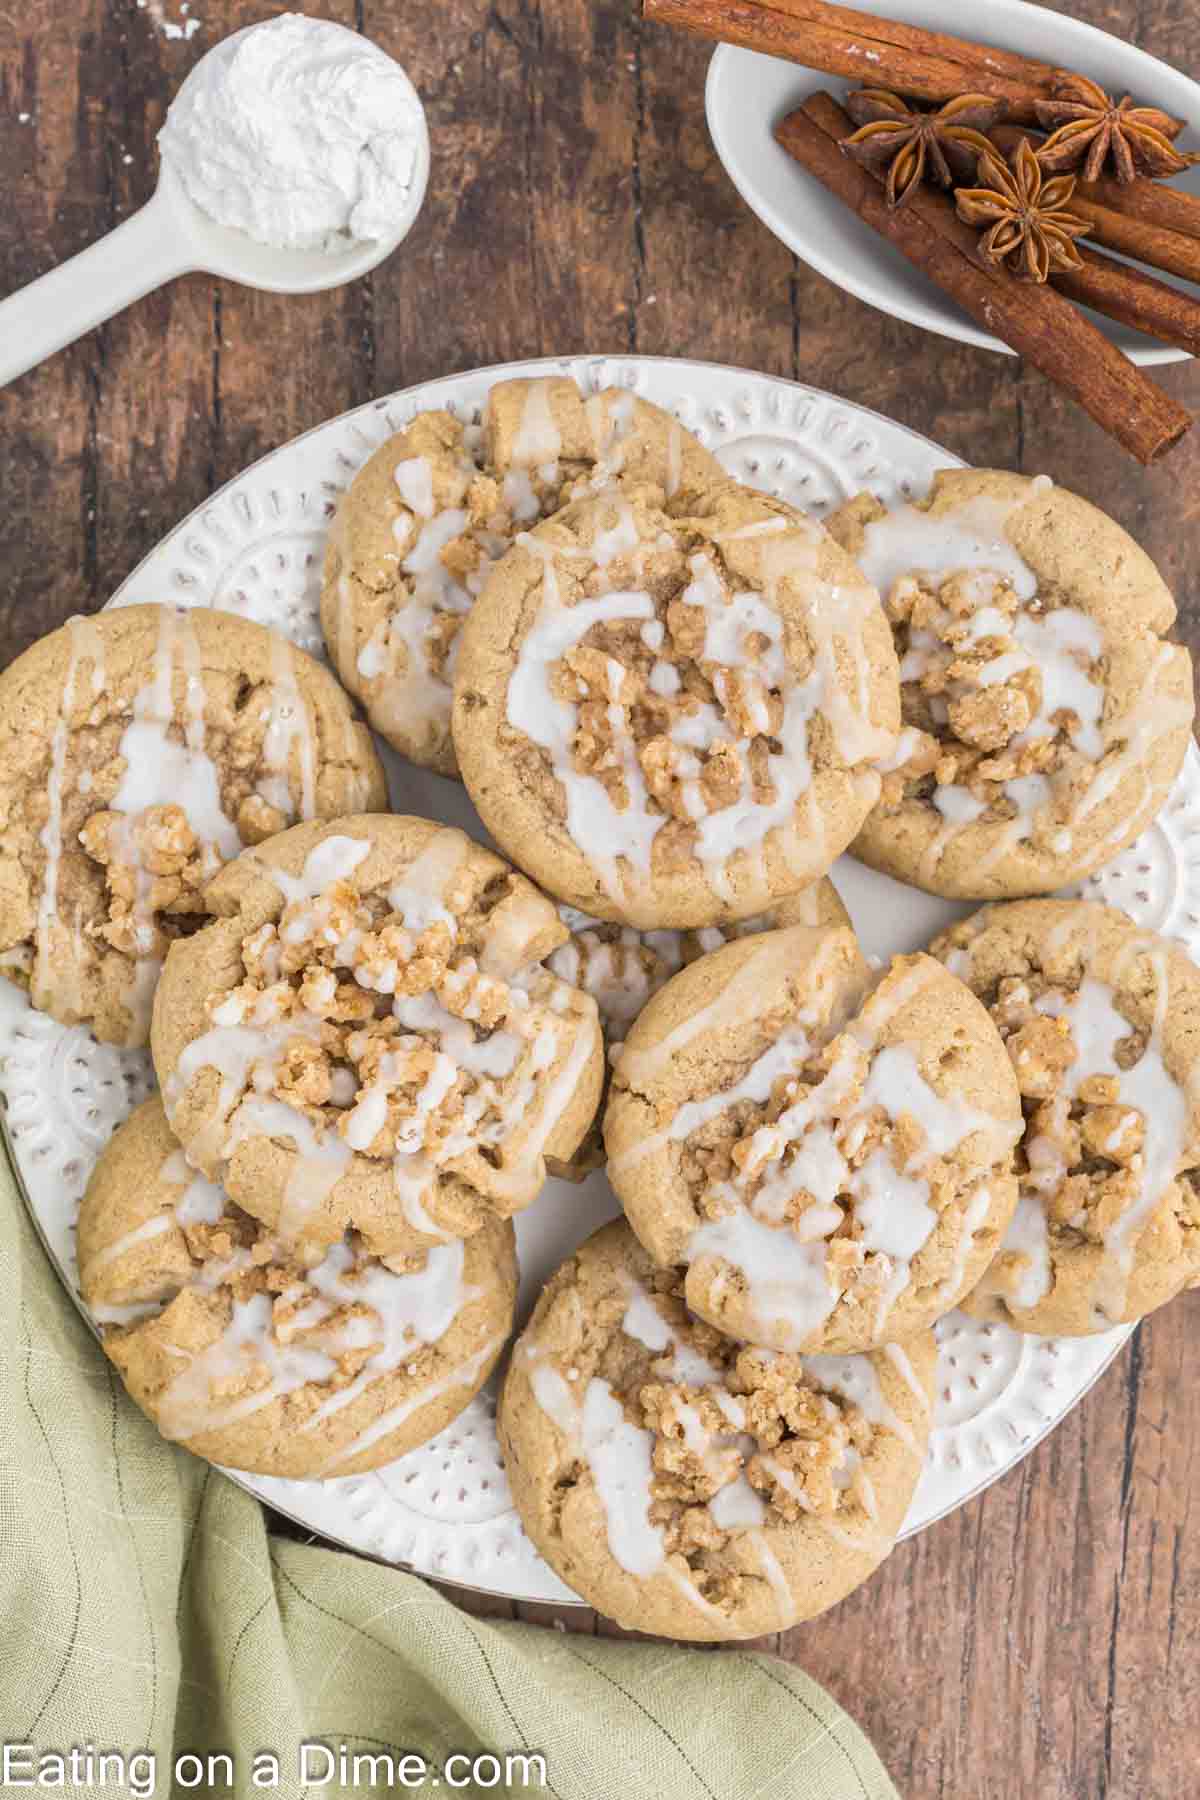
682,374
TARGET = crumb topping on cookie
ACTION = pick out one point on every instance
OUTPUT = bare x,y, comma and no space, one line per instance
403,1024
679,711
693,1441
146,795
462,492
831,1174
1108,1131
241,1323
1004,685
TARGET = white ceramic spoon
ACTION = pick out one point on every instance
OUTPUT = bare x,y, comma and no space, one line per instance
748,95
171,236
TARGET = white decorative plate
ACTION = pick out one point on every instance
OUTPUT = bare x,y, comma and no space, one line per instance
256,548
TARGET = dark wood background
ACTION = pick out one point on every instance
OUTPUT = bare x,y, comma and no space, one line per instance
1040,1642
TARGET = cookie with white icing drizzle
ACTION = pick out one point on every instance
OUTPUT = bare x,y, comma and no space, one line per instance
672,717
237,1350
827,1157
1045,717
623,969
429,513
1102,1023
691,1486
362,1036
139,751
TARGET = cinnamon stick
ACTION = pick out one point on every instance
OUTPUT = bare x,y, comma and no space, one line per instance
826,42
874,30
1134,298
1039,323
1152,201
1135,238
1123,229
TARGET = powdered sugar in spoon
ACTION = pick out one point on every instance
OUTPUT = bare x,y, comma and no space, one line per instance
171,235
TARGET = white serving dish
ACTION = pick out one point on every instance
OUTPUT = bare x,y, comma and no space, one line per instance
255,548
747,95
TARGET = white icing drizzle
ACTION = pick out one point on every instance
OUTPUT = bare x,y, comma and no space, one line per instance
158,770
1028,1237
1097,1027
396,654
546,1049
129,1240
640,1069
618,840
593,820
619,1453
288,726
414,478
866,1543
789,1293
162,771
785,1600
974,535
334,859
520,496
200,1203
420,893
538,439
619,1456
973,1219
1057,644
410,1310
464,1374
407,1312
186,1408
856,1379
899,1358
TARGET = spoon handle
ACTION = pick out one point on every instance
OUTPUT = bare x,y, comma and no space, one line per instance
60,306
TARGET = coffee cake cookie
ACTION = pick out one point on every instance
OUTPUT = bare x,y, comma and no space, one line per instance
238,1350
361,1038
428,514
826,1158
140,750
691,1486
1102,1023
672,718
1045,717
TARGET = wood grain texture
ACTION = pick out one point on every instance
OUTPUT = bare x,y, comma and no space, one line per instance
1040,1642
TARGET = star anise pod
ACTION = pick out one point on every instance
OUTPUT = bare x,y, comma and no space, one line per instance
1029,228
1091,129
943,144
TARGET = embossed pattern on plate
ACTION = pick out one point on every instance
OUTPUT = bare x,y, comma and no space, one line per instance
255,547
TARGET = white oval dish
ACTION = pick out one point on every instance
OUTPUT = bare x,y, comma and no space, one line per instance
255,547
747,95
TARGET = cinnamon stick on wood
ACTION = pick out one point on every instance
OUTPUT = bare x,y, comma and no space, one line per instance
823,39
872,29
1121,229
1039,323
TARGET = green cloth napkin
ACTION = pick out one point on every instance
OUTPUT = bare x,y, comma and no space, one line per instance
144,1608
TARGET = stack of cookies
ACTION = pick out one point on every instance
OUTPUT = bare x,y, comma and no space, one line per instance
674,702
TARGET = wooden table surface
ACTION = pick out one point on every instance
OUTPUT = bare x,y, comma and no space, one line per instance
1039,1642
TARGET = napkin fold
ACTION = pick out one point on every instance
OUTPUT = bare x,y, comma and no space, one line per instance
146,1614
